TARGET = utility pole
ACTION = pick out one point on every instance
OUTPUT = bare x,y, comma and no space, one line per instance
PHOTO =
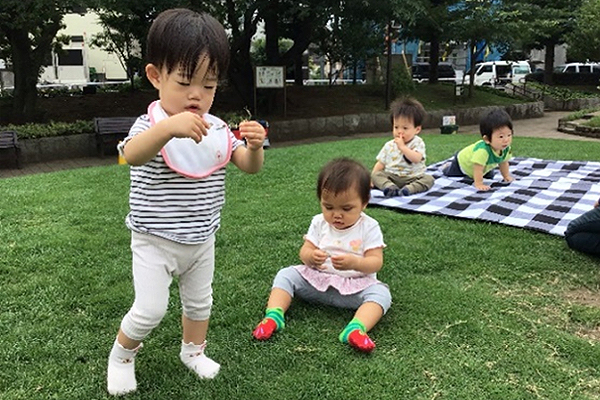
388,69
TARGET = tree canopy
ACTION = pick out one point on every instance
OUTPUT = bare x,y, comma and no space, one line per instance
346,31
29,29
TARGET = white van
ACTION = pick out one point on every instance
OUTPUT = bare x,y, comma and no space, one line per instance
496,74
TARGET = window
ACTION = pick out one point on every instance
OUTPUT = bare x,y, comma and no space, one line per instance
570,69
70,57
484,69
503,70
585,69
446,71
520,70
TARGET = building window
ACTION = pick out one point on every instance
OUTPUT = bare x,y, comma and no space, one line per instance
70,57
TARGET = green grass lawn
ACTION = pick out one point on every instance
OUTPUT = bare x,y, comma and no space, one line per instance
481,311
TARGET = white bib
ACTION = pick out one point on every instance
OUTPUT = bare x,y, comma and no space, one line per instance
191,159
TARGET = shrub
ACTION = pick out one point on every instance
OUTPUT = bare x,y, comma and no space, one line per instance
560,78
402,82
559,93
593,122
580,114
51,129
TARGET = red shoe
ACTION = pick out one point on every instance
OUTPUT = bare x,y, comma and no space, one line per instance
265,329
361,341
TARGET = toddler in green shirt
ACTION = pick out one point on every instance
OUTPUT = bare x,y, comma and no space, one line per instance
478,160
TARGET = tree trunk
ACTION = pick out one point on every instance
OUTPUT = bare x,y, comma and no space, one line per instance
242,80
548,63
298,71
434,57
472,67
26,72
272,33
388,68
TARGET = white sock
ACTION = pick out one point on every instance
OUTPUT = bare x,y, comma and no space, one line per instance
121,370
192,355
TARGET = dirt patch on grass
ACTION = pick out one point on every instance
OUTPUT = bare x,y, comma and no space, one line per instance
584,297
589,329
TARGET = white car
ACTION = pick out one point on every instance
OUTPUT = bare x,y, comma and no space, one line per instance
497,74
578,68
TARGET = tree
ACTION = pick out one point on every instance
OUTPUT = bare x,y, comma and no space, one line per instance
361,30
545,24
584,39
30,28
125,26
282,19
476,22
429,22
120,42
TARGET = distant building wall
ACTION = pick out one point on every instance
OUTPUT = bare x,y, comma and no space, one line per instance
87,25
560,56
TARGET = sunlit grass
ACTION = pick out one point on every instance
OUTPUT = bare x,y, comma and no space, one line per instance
481,311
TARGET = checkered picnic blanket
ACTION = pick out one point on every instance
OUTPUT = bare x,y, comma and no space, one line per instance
545,196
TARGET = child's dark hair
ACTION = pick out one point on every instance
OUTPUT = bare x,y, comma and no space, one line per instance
408,107
341,174
493,120
179,37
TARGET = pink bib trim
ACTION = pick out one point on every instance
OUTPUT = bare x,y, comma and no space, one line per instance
191,159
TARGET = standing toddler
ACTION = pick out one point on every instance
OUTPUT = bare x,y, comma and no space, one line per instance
178,154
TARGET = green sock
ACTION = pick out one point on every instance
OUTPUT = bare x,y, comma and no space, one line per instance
276,314
352,325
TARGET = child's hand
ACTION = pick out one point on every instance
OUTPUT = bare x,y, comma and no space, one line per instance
254,133
481,186
344,261
188,125
318,258
399,140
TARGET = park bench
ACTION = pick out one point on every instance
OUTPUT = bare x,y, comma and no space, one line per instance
111,130
10,144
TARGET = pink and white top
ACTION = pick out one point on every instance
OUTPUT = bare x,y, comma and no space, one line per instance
364,235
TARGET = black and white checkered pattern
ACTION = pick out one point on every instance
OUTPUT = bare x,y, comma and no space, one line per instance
545,196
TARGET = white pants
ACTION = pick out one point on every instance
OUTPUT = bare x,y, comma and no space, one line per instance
155,262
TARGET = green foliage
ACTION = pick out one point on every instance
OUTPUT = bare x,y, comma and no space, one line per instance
579,114
593,122
138,84
258,52
459,327
543,24
559,92
498,92
59,91
34,130
584,41
233,118
401,80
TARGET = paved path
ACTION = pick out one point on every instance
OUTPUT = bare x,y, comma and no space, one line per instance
544,127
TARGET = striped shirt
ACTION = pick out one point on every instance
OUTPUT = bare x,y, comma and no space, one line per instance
169,205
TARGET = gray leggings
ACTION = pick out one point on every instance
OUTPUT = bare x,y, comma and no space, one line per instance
290,280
